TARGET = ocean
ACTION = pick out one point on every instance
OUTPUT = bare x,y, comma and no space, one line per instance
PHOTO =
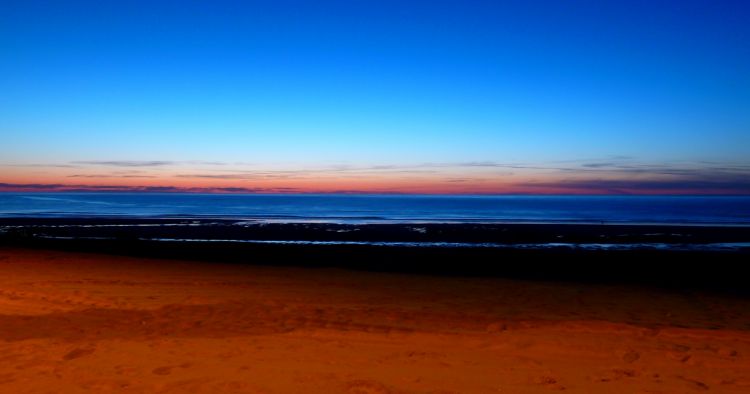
697,210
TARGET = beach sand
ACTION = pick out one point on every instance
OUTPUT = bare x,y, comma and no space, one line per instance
76,322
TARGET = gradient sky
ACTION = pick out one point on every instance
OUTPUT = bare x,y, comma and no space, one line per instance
376,96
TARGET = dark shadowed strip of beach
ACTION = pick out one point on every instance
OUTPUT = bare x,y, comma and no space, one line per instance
710,257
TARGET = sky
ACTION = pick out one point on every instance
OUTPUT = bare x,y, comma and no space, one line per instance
464,97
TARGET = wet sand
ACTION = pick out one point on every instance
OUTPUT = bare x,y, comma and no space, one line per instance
78,322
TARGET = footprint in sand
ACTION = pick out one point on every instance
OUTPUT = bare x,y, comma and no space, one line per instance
614,375
680,353
681,357
694,384
728,352
367,387
424,355
78,353
166,370
740,382
631,356
550,383
125,370
495,328
162,370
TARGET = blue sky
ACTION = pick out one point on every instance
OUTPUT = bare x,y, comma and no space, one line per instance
285,85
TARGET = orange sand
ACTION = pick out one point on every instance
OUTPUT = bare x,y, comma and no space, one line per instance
90,323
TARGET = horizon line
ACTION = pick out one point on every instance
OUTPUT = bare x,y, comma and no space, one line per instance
365,193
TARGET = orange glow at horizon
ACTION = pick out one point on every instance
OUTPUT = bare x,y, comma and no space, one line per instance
357,180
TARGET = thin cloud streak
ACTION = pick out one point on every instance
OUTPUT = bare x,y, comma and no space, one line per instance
53,187
126,163
109,176
655,186
41,165
145,163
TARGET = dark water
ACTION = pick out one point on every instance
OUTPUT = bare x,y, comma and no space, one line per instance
370,208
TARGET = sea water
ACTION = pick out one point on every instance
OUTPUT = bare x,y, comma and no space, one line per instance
724,210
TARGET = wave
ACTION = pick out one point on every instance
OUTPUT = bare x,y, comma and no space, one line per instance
719,246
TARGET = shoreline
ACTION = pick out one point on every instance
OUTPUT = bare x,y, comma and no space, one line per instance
461,232
682,247
708,258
